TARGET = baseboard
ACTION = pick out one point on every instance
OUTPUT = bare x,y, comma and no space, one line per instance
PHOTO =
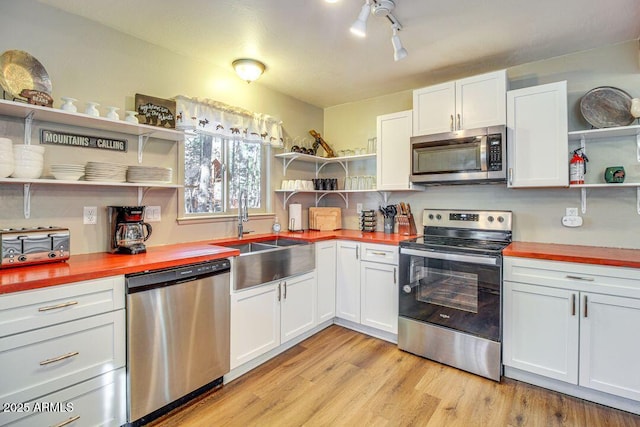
367,330
574,390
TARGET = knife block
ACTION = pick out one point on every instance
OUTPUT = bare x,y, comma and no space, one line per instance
406,225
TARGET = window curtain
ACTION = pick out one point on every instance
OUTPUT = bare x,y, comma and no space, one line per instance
228,122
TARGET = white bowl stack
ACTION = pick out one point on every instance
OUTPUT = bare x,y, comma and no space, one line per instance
28,161
67,172
6,157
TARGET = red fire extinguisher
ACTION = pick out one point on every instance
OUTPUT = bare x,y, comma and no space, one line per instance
577,167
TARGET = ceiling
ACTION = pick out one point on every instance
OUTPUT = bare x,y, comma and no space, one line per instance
311,55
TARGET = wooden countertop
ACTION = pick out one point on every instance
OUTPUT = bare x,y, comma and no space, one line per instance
575,253
95,265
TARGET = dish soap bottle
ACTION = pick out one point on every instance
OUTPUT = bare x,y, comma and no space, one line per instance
276,226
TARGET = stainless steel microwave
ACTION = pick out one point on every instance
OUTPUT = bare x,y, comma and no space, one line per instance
467,156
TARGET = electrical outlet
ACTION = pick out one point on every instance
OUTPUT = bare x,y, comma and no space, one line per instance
152,214
90,215
571,211
358,207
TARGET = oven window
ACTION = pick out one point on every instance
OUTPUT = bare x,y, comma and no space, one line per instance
448,288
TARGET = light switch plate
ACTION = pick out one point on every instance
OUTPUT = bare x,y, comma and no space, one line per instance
571,211
152,214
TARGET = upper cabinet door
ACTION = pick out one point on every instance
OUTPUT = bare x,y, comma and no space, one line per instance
394,151
474,102
481,101
537,138
433,109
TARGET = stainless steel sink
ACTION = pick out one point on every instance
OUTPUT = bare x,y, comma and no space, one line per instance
266,261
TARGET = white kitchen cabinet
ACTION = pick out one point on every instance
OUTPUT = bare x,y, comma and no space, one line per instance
379,296
393,157
610,344
575,323
60,340
348,281
326,275
298,306
541,330
367,285
473,102
265,316
255,322
537,149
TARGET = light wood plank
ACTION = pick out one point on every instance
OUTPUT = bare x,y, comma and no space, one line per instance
340,377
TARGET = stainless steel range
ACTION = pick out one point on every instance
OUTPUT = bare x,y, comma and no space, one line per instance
451,289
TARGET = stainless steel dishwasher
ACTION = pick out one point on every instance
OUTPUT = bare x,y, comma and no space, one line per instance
177,336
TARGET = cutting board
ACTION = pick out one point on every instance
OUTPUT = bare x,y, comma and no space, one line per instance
325,219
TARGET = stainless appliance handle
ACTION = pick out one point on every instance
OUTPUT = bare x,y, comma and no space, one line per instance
473,259
484,145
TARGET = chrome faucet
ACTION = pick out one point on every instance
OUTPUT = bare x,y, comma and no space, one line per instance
243,212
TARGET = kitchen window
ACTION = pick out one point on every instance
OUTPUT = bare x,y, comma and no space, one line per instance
226,151
216,170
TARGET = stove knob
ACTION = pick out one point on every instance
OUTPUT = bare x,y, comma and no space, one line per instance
490,218
500,219
438,217
431,216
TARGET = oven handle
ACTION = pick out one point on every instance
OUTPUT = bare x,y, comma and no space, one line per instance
473,259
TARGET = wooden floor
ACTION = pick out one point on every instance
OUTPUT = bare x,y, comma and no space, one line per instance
340,377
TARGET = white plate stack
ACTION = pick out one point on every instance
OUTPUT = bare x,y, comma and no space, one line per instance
101,171
28,161
67,172
6,157
149,174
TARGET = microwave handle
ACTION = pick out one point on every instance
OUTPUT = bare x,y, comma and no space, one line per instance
484,146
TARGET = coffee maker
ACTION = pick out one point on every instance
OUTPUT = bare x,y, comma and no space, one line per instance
127,229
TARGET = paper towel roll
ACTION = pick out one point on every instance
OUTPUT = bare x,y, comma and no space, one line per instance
295,217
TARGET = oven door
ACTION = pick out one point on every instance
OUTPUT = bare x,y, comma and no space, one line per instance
452,290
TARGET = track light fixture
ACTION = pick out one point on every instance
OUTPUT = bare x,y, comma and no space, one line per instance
381,8
359,27
399,52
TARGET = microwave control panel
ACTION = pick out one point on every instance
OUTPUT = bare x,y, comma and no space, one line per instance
495,153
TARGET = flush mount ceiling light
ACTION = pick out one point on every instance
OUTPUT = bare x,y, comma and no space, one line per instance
248,69
383,9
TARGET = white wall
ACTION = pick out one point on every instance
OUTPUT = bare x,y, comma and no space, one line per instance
91,62
611,218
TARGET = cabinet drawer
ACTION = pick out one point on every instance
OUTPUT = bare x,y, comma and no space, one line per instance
23,311
99,401
387,254
619,281
39,362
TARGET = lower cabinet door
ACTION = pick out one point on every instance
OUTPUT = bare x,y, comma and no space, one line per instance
541,330
255,322
379,296
99,401
298,305
610,344
326,280
348,281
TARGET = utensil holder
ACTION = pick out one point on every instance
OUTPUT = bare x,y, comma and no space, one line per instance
389,223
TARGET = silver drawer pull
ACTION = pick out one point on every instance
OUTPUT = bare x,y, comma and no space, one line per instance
378,253
69,421
587,279
59,358
55,307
